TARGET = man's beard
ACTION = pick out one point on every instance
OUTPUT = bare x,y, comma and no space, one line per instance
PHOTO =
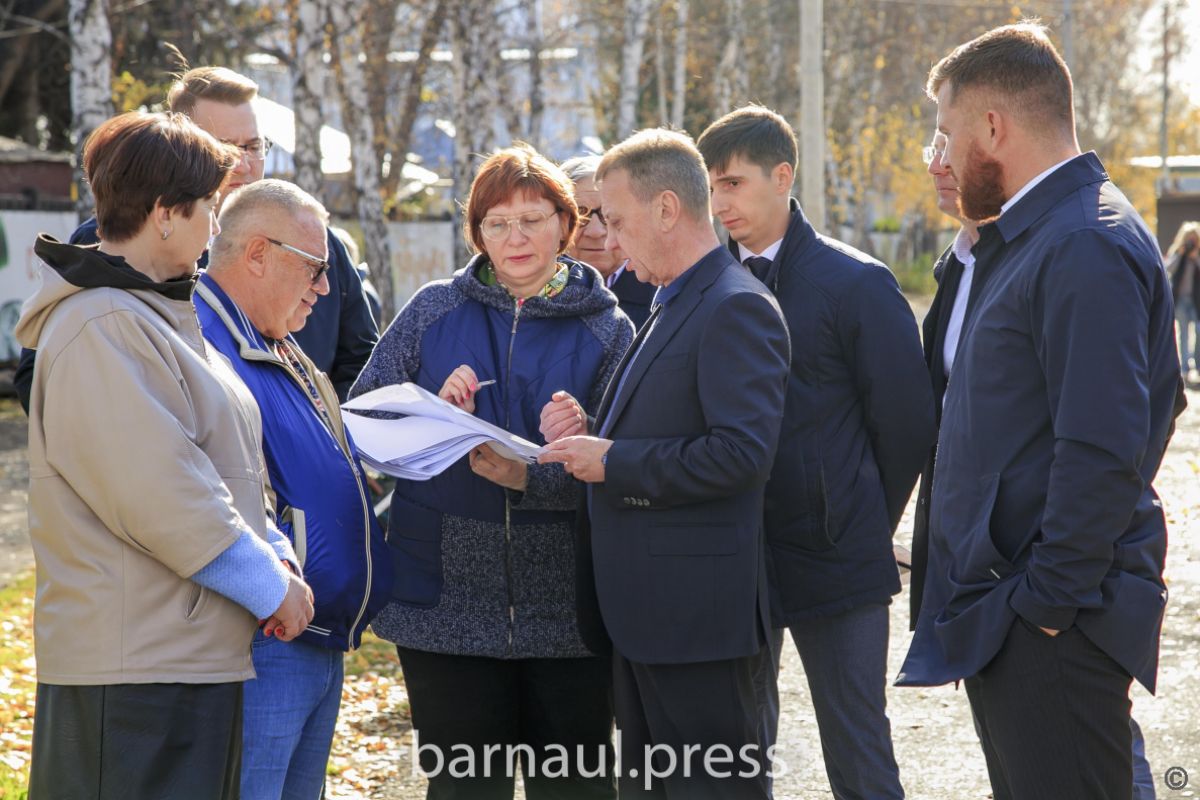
980,187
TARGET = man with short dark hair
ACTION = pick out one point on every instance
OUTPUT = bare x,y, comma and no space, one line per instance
341,332
857,425
1044,585
687,432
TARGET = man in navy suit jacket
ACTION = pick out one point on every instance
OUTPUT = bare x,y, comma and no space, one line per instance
687,433
1046,540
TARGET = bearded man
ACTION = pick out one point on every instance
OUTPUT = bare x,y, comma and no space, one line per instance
1044,586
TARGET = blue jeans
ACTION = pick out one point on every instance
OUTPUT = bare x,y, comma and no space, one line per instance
1143,778
289,714
1189,333
845,661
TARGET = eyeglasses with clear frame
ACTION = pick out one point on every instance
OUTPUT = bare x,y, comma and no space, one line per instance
587,214
531,223
316,266
255,150
936,150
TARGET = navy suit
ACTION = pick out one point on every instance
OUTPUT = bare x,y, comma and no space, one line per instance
676,527
1065,390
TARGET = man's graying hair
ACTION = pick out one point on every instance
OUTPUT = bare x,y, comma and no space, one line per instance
580,167
249,210
659,160
1019,64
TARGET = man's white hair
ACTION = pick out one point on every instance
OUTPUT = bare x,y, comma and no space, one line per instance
243,214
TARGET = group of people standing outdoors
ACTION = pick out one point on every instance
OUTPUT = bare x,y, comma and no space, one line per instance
733,430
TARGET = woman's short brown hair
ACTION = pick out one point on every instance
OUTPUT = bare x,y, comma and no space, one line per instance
136,160
515,171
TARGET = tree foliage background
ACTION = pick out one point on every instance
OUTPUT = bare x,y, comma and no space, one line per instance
681,62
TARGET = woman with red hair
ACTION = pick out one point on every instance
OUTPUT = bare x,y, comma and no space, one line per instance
483,606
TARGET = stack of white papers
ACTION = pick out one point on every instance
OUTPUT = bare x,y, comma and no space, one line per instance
431,435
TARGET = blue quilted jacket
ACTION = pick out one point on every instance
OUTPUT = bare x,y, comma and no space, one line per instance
321,499
481,570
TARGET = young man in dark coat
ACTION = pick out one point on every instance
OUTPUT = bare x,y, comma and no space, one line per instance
857,427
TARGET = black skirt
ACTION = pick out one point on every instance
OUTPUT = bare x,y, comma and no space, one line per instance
150,741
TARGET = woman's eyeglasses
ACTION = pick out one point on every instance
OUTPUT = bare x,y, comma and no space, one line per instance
530,224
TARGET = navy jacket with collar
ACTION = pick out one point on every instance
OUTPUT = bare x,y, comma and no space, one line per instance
857,426
948,272
321,498
1066,388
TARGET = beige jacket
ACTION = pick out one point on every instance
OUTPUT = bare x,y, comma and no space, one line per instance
144,465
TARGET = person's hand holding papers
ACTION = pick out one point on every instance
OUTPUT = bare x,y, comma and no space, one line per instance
431,434
486,463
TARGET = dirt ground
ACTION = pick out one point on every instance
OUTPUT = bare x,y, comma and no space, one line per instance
935,743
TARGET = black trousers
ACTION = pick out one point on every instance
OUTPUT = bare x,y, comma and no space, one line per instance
677,724
1052,715
470,714
151,741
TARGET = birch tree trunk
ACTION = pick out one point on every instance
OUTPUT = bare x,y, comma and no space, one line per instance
308,85
537,98
660,70
356,111
91,85
679,90
411,102
812,111
775,64
475,34
637,22
732,75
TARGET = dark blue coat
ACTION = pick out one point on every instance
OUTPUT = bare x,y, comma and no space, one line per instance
857,427
948,272
1066,384
321,498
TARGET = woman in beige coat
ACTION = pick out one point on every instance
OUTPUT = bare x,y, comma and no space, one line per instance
147,508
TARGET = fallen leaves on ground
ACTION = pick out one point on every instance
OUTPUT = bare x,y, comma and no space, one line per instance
374,727
18,684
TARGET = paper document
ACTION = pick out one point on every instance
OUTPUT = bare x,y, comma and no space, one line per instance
430,436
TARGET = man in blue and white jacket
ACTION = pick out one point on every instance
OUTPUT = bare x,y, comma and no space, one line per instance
266,270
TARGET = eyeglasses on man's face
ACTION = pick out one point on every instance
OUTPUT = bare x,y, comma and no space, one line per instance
256,149
936,150
586,215
531,223
316,266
